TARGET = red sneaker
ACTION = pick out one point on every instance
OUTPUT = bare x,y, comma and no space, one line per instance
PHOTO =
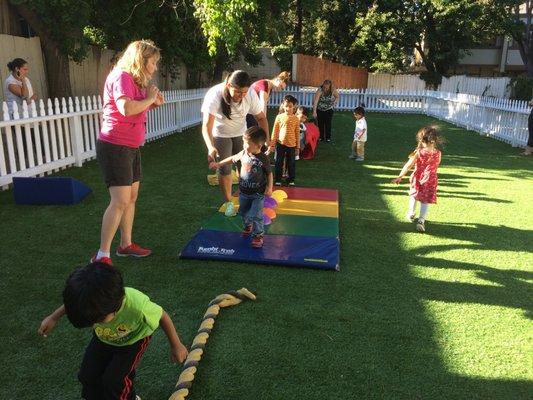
103,260
133,250
247,230
257,241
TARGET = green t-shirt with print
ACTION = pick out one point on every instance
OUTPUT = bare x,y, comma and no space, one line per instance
136,319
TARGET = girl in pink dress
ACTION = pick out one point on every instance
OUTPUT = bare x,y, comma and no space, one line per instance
424,180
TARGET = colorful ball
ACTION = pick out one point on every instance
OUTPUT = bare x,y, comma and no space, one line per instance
279,193
278,196
266,220
270,202
269,212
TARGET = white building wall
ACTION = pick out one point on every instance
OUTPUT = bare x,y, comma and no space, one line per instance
269,68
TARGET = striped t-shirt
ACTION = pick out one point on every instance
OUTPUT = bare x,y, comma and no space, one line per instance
286,131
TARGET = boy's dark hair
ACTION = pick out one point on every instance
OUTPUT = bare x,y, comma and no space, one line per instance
429,134
359,110
257,135
289,98
302,109
91,293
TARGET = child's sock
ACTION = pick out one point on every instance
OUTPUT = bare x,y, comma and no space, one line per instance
412,207
423,211
102,254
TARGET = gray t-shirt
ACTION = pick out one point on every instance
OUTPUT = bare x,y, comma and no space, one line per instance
254,171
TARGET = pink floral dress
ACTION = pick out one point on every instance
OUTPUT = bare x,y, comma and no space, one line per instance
424,178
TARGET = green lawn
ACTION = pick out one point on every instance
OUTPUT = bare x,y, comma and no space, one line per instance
442,315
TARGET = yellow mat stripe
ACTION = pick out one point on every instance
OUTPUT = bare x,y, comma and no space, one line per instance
300,207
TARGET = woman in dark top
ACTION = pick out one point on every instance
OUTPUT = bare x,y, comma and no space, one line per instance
326,98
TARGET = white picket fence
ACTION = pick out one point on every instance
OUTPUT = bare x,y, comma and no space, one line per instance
47,137
500,119
487,87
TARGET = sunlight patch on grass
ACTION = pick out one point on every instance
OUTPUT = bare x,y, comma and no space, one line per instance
380,167
366,210
482,340
452,275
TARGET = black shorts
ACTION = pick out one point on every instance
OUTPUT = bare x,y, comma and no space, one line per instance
121,165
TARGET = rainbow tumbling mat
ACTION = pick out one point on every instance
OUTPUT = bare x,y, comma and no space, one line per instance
305,233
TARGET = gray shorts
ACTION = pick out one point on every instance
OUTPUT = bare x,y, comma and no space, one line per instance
227,147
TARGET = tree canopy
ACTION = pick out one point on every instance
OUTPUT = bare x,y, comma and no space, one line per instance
208,35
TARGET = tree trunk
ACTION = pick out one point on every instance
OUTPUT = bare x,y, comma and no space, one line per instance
218,68
221,62
57,70
529,64
297,40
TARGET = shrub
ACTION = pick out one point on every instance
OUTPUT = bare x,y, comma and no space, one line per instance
521,88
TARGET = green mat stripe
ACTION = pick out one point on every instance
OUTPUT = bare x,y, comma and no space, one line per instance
281,225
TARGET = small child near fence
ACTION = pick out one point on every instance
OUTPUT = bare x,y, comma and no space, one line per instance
423,181
359,136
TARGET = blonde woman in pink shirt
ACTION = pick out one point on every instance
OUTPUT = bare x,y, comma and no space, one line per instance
127,98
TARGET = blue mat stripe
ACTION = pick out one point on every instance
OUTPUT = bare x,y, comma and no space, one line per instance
298,251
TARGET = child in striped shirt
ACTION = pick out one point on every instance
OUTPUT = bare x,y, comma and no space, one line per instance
286,140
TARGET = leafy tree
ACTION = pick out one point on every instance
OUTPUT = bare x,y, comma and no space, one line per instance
518,25
222,21
439,30
234,29
115,23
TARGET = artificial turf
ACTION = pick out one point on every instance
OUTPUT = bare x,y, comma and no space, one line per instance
442,315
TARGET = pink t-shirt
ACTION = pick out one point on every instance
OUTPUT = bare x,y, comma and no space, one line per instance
117,128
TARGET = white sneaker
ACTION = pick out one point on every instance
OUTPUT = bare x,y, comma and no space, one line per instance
230,209
137,397
420,227
360,159
410,217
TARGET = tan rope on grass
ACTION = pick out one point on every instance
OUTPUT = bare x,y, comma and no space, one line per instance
197,349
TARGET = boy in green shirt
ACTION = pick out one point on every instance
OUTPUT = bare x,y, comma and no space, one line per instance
123,320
